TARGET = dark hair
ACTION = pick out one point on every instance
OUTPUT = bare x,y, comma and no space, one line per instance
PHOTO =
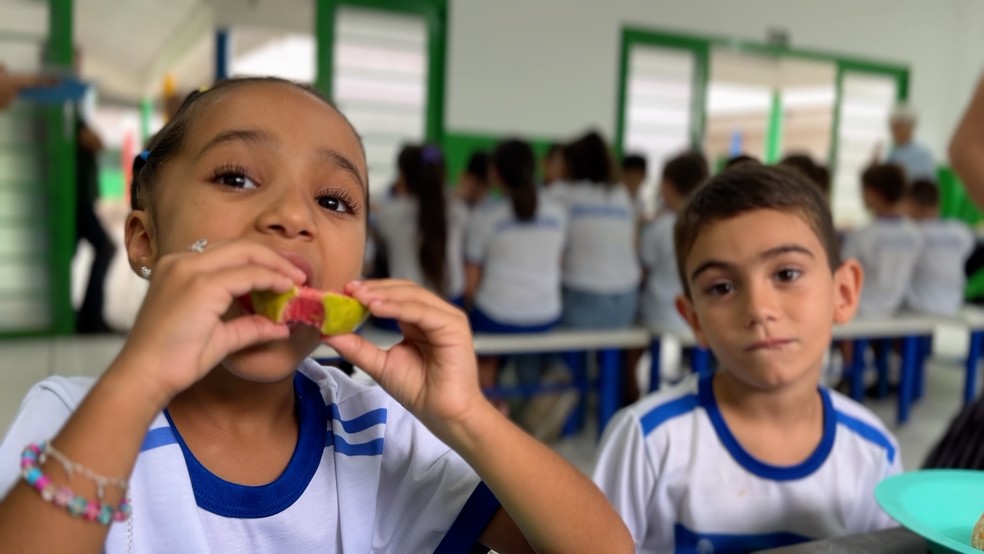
588,159
886,180
810,169
634,162
924,193
741,159
478,166
514,161
169,140
685,172
753,187
423,173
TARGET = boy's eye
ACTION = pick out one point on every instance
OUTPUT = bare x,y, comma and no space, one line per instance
787,275
720,289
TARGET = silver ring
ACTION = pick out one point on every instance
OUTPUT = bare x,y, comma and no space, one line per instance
198,246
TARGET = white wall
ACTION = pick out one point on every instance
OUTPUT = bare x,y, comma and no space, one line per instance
550,67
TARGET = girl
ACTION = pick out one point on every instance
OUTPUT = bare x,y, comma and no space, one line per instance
422,233
601,271
513,258
251,447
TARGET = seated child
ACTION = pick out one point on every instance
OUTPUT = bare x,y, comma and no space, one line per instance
756,455
937,285
888,247
212,420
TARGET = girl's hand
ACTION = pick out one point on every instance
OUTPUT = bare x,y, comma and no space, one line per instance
433,371
180,333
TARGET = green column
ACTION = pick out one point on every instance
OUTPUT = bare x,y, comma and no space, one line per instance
436,52
60,123
324,37
773,139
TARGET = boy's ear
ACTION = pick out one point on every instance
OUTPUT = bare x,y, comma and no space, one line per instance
685,306
848,280
141,244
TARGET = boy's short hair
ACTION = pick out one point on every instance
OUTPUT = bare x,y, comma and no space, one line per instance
685,172
741,159
924,193
815,172
478,165
750,187
634,162
886,180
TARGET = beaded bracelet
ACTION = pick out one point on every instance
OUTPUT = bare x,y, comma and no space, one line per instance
91,510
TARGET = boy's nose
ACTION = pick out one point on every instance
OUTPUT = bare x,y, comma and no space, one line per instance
760,303
289,215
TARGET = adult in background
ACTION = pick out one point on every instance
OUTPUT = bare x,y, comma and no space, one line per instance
913,157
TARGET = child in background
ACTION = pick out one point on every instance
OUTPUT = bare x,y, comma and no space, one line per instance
473,186
421,231
512,254
633,176
756,455
816,173
600,265
888,247
230,439
938,281
554,166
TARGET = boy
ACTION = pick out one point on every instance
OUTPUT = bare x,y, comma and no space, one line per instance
938,281
888,247
757,455
633,175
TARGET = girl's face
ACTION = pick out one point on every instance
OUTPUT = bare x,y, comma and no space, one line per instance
272,164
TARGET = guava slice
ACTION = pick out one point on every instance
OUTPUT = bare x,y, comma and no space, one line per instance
329,312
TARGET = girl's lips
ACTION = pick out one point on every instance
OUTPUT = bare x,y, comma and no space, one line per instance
301,264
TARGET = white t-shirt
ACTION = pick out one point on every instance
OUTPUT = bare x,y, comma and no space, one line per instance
601,249
887,250
938,281
365,476
682,482
658,254
520,261
396,223
915,159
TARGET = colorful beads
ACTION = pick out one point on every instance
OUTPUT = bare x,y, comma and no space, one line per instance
63,497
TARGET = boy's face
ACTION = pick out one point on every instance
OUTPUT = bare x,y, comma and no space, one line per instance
763,298
633,178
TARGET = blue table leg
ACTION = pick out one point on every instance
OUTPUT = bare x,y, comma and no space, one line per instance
857,369
910,353
655,347
577,362
883,348
700,359
973,357
609,385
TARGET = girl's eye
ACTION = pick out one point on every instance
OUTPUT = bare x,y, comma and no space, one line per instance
720,289
234,177
788,275
338,201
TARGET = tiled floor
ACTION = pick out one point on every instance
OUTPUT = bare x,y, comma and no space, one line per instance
23,363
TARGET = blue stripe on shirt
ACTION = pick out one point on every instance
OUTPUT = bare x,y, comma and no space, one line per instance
359,423
660,414
371,448
162,436
867,432
471,521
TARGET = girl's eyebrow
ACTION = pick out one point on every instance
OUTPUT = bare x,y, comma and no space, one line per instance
236,135
337,160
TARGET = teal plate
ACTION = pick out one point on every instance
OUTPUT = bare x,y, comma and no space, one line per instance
941,505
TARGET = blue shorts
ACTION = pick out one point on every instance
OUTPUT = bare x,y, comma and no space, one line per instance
482,323
589,310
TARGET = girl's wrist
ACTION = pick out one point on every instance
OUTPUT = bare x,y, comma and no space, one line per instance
132,378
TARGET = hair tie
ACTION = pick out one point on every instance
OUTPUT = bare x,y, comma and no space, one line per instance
430,154
144,155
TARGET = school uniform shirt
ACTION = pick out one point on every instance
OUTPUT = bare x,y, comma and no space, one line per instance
887,249
682,482
601,247
658,255
915,159
520,261
365,476
938,281
396,223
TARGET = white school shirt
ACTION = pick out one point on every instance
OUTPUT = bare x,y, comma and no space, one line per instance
396,223
520,261
887,249
366,476
658,254
938,281
682,483
601,248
